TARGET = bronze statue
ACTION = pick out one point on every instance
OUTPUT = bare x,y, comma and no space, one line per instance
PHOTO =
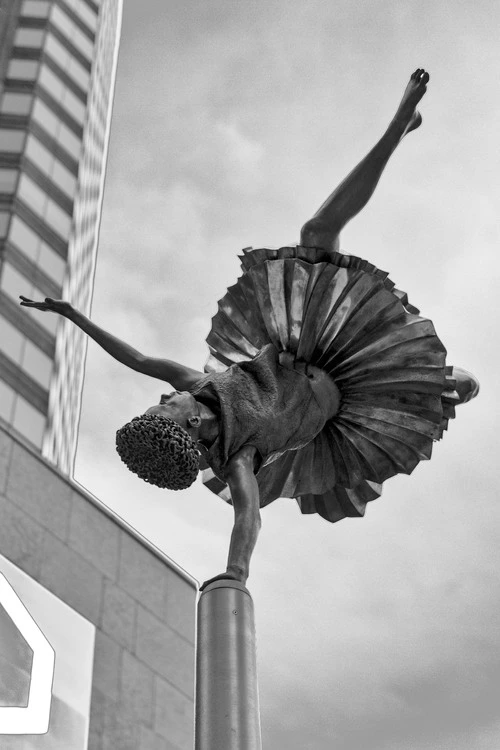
323,380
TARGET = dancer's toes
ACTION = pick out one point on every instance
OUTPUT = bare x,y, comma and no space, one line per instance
407,115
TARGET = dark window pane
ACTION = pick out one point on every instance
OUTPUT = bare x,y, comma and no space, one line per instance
35,8
8,178
11,140
25,70
28,38
16,104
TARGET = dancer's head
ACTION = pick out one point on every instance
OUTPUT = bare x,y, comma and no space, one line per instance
159,445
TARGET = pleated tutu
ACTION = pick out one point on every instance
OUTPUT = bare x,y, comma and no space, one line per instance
345,316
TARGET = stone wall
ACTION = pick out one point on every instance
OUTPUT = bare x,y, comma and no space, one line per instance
141,603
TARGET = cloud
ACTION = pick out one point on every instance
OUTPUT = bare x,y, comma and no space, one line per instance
244,151
233,122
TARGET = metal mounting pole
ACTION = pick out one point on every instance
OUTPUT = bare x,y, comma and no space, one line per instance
227,700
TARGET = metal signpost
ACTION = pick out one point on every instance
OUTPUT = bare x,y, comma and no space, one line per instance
227,700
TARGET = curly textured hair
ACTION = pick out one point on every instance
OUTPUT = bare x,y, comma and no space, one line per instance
159,451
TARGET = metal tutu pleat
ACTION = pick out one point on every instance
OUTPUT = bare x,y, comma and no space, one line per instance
342,314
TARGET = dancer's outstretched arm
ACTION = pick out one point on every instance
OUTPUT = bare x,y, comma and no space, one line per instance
356,189
180,377
245,496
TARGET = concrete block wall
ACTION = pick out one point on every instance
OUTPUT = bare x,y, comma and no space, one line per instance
141,603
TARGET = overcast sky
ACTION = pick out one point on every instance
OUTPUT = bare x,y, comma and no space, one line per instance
233,121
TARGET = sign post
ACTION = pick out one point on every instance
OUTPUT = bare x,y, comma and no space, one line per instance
227,700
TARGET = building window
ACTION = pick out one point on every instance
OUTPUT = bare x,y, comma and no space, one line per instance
25,70
64,179
4,222
11,140
8,179
56,128
46,118
41,254
38,154
29,38
37,364
67,62
52,264
28,421
70,30
58,219
12,340
12,283
20,350
61,93
16,104
35,8
82,10
52,167
24,238
35,198
70,142
7,398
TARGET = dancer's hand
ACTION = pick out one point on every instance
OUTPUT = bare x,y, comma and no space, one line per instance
50,305
223,576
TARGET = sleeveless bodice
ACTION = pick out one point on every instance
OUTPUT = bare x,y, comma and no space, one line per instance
270,402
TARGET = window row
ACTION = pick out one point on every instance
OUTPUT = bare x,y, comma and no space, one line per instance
72,32
37,200
13,284
62,94
29,38
67,62
83,11
21,415
50,166
56,128
15,104
30,70
14,140
20,104
38,38
25,239
25,354
41,9
23,70
35,9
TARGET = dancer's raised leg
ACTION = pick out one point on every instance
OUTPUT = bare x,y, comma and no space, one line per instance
354,192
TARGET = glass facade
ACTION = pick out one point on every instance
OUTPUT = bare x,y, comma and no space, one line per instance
56,89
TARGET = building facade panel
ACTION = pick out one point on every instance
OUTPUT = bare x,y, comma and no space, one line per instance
142,667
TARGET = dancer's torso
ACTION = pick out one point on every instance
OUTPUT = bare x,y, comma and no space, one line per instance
271,403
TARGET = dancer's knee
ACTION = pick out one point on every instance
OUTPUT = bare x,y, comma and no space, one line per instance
315,233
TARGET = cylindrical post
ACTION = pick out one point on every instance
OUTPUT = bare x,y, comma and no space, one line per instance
227,699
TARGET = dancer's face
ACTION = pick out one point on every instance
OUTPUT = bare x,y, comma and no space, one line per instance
180,406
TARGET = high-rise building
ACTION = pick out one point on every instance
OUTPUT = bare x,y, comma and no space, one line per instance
58,62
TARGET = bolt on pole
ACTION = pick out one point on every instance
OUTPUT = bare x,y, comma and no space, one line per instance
227,713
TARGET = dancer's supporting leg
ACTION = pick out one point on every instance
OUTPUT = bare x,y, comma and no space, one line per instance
354,192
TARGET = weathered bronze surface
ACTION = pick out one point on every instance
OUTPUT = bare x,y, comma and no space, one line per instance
390,394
